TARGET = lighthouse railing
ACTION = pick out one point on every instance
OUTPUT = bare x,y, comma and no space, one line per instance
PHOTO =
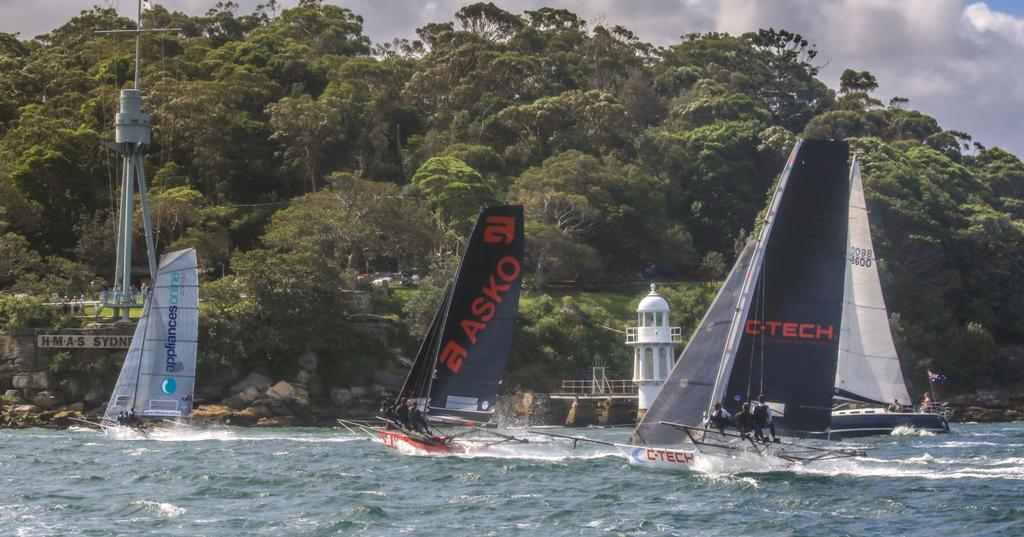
654,334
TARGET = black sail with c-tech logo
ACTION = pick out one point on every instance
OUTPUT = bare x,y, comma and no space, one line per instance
482,307
790,337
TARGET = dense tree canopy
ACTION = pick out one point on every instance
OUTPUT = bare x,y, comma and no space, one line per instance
294,153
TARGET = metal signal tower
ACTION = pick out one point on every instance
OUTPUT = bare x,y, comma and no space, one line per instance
131,139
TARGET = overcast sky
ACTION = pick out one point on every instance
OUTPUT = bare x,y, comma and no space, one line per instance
959,61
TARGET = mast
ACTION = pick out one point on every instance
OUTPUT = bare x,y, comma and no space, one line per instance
132,137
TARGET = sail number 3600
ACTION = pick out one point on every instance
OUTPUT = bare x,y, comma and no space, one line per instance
861,257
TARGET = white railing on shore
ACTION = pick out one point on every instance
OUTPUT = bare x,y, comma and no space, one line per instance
598,387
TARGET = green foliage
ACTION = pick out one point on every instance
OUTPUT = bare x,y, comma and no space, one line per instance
556,339
292,153
21,312
454,192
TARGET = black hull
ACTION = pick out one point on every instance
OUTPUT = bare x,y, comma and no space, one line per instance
858,425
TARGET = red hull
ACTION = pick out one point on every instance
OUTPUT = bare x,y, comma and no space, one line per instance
441,444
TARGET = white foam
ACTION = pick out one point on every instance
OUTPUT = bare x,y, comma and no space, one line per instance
165,510
906,430
84,429
860,468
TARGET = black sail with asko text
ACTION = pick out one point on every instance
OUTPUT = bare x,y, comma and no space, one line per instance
790,337
477,329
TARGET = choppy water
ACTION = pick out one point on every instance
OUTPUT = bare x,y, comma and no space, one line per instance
329,482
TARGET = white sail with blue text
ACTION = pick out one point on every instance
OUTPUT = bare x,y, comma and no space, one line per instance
158,375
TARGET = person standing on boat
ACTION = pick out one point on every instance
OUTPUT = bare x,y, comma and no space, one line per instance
416,420
763,420
718,419
744,420
402,412
895,406
926,403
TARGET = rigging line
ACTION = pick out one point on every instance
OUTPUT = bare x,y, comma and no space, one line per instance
254,205
142,346
753,343
764,308
163,71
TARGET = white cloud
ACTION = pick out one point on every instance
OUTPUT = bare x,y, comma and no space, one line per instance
958,62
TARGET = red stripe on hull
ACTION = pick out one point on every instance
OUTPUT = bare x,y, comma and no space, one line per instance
392,439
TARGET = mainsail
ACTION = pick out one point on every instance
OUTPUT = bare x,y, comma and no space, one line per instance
789,337
158,374
772,327
461,362
869,368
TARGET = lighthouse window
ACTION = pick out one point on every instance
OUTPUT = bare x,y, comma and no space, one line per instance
648,364
662,363
636,364
648,319
657,319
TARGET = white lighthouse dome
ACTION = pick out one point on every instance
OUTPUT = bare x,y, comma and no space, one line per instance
653,302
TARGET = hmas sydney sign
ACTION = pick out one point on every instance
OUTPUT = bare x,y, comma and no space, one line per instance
82,341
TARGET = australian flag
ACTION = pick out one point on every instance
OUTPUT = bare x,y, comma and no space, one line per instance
936,378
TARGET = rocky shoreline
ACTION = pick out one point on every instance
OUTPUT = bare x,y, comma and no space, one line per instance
285,409
48,387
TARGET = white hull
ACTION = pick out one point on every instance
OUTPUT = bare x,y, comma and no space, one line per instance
727,458
658,458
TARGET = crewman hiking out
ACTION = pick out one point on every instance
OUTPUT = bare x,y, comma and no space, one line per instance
719,418
744,420
763,420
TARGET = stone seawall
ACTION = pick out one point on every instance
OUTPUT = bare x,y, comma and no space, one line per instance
541,409
50,377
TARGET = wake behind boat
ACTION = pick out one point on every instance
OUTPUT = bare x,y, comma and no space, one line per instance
455,378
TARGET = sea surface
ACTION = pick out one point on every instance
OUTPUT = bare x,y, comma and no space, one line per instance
278,482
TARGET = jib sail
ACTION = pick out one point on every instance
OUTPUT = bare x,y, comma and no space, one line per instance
158,374
788,341
684,396
417,382
869,368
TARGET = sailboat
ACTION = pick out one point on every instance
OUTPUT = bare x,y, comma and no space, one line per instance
772,330
869,368
455,378
158,375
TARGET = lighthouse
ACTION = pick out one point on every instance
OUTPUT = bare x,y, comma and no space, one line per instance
654,343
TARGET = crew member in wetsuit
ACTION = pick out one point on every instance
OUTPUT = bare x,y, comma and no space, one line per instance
402,414
133,421
744,420
718,419
763,420
417,421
